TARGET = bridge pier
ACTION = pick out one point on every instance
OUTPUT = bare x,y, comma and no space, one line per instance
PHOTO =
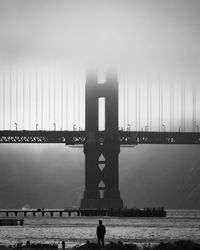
101,158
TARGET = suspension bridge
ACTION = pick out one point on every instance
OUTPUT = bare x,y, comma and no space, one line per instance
101,117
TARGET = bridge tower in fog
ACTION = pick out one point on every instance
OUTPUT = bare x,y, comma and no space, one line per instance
101,157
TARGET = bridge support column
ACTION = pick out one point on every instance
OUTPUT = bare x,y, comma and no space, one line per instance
101,157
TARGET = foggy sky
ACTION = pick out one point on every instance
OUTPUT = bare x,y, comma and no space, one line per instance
159,38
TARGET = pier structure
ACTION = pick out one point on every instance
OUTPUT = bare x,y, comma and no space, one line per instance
154,212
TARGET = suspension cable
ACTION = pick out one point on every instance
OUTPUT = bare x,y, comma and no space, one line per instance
161,106
147,104
66,90
23,99
172,108
183,106
10,97
36,99
54,100
17,97
42,97
194,108
61,99
49,101
128,122
29,100
139,105
74,102
136,105
4,117
124,105
150,106
79,102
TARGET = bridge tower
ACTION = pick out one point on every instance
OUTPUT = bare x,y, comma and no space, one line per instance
101,158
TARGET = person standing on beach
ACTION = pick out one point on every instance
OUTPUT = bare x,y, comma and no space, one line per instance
101,231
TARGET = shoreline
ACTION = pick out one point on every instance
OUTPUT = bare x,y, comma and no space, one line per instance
176,245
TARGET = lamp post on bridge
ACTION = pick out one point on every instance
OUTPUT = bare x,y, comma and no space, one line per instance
197,126
37,126
15,126
164,127
179,129
54,126
146,128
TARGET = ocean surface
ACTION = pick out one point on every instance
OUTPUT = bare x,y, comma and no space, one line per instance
179,224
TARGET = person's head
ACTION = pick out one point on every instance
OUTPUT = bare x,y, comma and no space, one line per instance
100,222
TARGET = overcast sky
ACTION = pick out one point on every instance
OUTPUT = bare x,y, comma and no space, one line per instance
156,37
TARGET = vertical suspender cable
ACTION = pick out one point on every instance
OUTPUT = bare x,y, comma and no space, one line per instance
172,108
29,89
10,97
36,99
150,106
194,107
74,103
4,117
42,97
17,98
183,107
79,103
127,90
23,99
136,106
147,104
61,99
139,105
161,107
124,105
54,108
66,89
49,89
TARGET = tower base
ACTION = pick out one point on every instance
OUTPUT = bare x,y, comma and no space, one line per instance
106,203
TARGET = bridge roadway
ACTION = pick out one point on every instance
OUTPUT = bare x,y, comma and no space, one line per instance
80,137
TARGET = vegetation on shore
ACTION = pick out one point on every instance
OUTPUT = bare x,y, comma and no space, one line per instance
177,245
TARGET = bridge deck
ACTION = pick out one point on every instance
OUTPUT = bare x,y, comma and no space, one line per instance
80,137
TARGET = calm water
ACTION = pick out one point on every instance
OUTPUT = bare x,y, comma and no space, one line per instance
179,224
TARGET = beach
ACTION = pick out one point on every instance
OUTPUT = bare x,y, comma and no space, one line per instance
178,225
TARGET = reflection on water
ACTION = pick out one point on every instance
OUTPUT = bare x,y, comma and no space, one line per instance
179,224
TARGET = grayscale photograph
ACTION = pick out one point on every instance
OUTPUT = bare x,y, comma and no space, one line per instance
100,124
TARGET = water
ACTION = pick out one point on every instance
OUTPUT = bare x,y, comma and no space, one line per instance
179,224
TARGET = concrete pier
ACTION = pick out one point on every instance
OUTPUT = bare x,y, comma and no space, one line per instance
147,212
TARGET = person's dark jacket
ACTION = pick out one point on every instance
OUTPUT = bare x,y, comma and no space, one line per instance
101,231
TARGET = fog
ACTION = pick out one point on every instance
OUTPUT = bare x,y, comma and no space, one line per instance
156,41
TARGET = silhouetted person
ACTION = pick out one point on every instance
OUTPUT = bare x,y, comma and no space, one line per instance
101,231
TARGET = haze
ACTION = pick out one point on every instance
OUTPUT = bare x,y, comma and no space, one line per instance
151,40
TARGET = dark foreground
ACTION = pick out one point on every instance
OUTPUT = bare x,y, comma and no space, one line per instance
177,245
